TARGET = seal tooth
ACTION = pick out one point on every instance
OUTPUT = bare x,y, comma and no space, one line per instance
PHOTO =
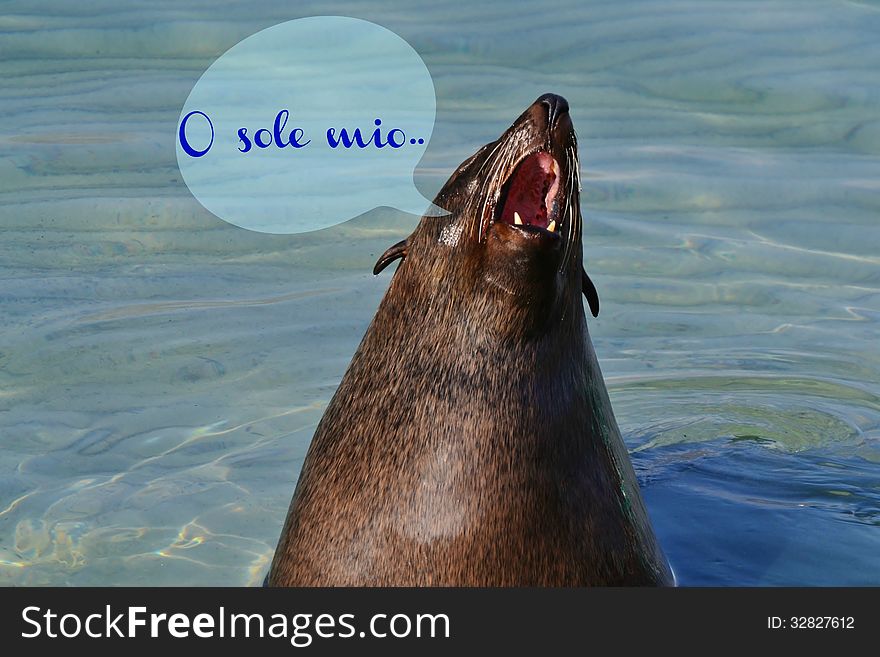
552,226
517,219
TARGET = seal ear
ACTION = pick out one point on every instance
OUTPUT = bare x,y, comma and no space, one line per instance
392,254
590,292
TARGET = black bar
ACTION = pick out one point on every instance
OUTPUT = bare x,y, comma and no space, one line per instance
519,621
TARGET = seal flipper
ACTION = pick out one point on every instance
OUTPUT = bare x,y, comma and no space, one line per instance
392,254
590,292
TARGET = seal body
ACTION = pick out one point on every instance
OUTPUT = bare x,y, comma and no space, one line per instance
471,441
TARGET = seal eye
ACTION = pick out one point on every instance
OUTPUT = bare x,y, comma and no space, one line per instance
530,195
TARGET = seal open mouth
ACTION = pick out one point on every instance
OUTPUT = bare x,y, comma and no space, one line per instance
529,197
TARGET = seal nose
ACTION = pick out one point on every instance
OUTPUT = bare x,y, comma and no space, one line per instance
556,107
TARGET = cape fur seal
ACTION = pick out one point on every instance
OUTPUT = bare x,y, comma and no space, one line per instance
471,441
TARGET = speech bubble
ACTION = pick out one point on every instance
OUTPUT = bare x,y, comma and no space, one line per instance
307,124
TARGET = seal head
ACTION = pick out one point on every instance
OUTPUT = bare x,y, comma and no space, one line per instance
471,441
517,199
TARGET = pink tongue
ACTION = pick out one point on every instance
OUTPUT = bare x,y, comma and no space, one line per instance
528,191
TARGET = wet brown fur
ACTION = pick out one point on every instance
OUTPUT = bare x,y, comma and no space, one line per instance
471,441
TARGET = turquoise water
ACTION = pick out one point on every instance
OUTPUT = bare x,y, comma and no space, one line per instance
161,372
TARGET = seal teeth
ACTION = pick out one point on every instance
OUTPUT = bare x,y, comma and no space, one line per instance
552,226
517,219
